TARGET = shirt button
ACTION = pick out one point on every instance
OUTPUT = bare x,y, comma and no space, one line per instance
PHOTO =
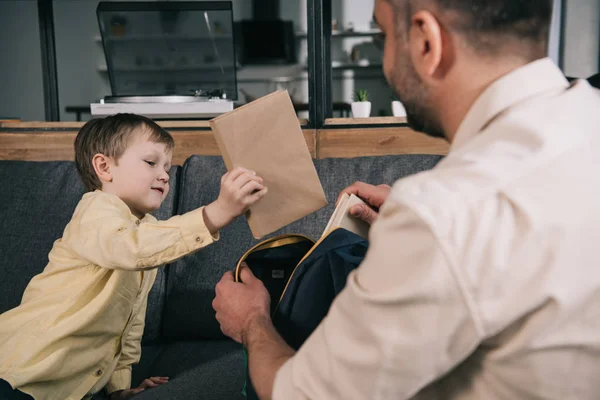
198,239
137,222
99,372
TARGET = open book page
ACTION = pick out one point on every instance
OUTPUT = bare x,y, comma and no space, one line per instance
341,217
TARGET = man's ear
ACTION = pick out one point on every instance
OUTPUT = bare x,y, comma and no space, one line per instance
426,44
102,166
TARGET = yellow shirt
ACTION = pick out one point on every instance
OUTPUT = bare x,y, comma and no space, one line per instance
80,322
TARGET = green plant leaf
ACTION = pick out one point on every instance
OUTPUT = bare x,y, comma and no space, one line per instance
361,95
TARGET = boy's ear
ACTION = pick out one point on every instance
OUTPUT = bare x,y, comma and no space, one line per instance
102,165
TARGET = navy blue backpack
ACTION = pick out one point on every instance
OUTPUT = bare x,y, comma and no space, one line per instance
303,277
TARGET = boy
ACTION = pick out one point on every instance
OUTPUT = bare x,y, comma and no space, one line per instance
79,325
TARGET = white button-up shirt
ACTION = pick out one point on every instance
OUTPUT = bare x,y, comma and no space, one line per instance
482,280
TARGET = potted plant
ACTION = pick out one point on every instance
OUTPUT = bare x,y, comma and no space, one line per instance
361,106
398,109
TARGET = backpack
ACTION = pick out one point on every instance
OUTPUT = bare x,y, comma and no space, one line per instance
302,277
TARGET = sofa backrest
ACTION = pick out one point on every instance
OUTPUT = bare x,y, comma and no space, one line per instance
41,197
37,203
191,281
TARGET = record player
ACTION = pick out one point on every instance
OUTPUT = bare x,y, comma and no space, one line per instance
168,60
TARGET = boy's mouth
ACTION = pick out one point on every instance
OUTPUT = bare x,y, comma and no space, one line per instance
160,190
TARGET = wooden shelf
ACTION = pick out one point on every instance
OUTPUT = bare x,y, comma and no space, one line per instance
44,141
365,121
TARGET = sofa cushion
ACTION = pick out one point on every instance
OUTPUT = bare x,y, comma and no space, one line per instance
192,279
34,213
209,369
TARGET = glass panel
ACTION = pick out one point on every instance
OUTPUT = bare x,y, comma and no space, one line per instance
83,72
273,53
356,59
165,49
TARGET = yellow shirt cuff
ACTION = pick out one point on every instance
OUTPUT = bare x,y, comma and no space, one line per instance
194,231
119,380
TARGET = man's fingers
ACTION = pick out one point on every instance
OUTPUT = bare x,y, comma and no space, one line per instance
359,189
363,212
227,276
160,379
246,274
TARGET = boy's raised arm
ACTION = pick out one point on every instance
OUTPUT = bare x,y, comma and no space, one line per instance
107,236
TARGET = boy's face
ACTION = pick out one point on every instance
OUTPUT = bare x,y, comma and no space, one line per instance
141,176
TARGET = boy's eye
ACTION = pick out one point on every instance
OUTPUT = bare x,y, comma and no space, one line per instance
150,163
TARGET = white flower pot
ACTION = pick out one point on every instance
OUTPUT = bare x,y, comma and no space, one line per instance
398,109
361,109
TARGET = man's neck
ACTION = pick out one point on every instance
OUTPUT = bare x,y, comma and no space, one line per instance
468,80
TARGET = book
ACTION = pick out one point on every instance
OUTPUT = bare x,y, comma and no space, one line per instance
341,217
265,136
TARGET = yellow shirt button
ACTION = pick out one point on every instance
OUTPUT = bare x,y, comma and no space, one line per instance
198,239
137,222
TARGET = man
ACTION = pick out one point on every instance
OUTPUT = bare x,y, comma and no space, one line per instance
481,280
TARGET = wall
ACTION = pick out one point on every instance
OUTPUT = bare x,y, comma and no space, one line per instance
22,91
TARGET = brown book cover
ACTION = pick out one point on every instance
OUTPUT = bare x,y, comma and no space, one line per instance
265,136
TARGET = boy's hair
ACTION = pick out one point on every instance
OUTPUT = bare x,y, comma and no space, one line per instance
110,136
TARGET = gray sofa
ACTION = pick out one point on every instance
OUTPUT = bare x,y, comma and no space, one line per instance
182,339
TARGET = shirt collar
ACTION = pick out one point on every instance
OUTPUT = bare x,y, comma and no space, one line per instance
523,83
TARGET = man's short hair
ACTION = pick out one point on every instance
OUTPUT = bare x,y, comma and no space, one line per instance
110,136
487,25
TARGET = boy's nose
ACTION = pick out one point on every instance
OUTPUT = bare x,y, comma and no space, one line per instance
164,177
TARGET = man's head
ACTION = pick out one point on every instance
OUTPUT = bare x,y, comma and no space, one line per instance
435,46
127,155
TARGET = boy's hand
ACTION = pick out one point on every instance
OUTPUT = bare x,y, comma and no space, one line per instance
240,189
148,383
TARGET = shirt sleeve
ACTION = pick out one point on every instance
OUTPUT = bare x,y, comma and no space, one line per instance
105,235
401,322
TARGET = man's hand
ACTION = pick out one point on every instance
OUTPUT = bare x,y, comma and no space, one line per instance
148,383
239,304
240,188
375,196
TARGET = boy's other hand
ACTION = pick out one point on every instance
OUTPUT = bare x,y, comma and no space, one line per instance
148,383
240,188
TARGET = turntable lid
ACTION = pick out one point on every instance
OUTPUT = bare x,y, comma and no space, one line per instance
162,48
